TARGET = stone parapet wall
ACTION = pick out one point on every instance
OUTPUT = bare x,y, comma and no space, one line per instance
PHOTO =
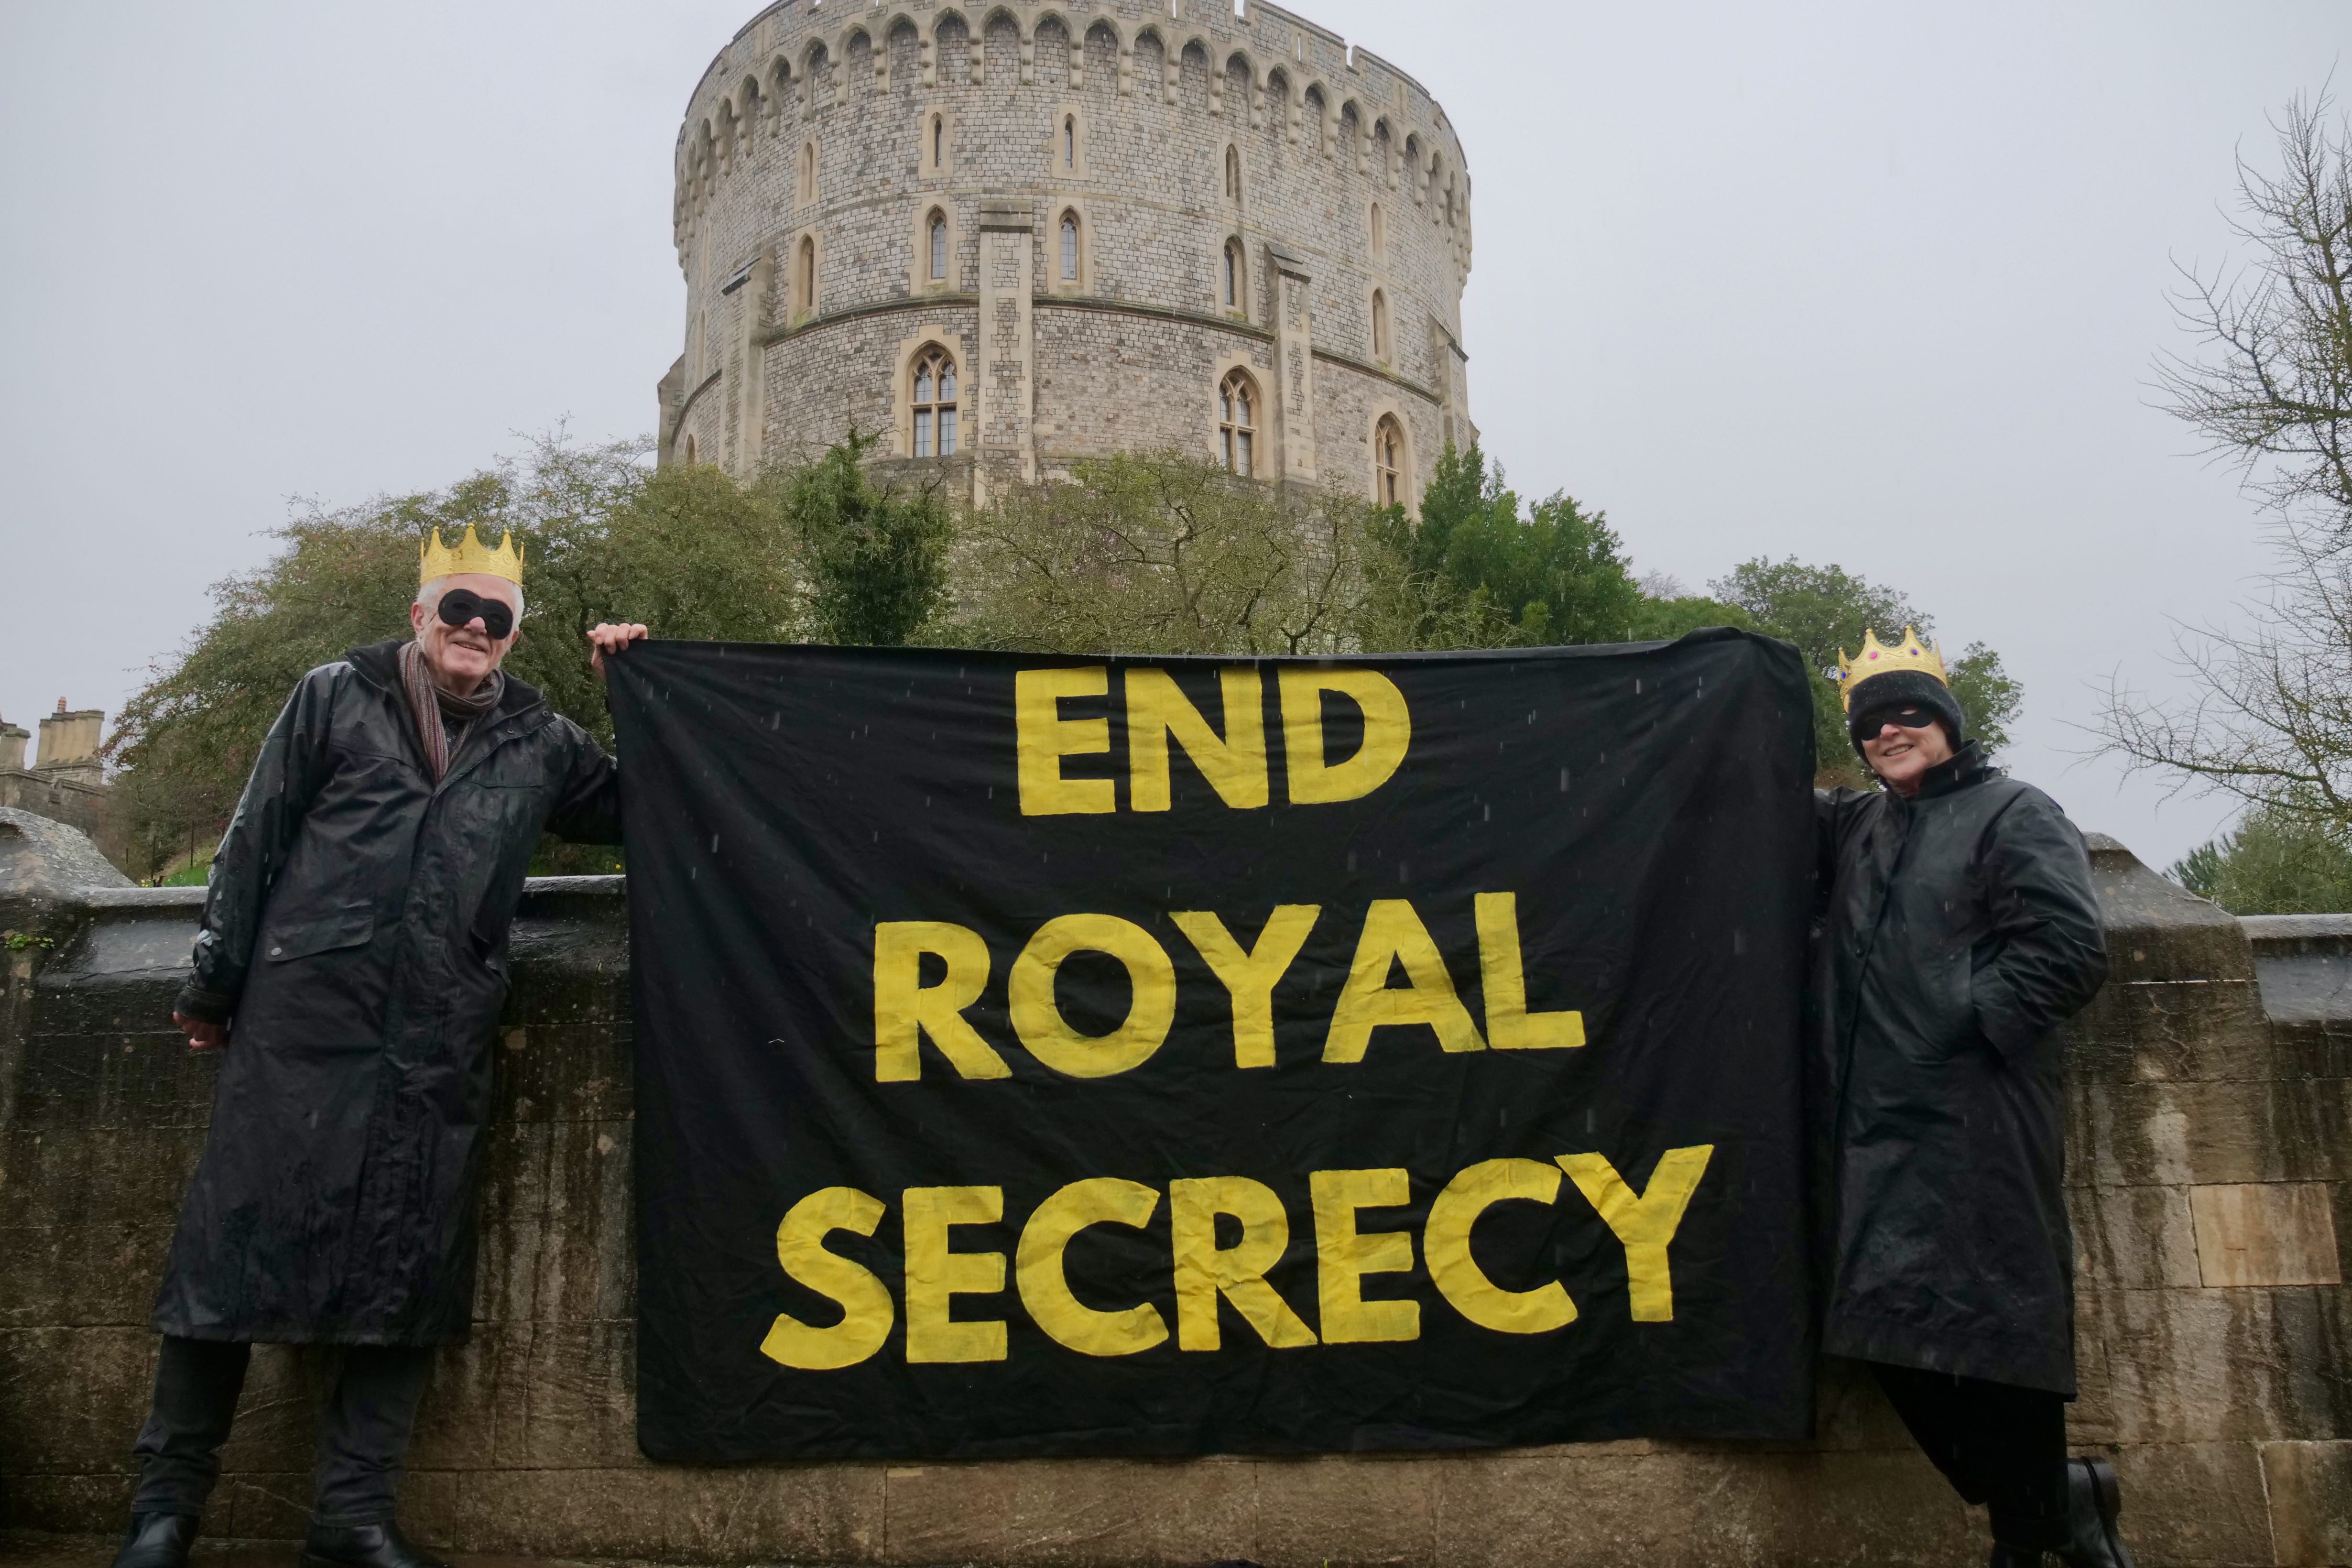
2211,1174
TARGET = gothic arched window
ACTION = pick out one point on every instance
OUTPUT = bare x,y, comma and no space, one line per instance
938,245
1381,349
1380,236
938,143
1070,247
1388,462
1233,275
1069,142
1237,423
1233,173
935,404
807,193
804,276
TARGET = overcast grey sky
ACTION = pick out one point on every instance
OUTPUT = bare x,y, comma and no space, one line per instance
1864,283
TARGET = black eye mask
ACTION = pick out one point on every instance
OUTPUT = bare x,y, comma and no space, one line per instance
1910,716
461,605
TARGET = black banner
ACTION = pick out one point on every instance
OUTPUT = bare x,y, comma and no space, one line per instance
1043,1055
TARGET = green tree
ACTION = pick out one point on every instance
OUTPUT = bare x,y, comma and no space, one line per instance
876,557
605,538
2272,863
1826,609
1556,575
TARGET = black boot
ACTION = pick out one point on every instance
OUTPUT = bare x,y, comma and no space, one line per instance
364,1546
2093,1499
157,1540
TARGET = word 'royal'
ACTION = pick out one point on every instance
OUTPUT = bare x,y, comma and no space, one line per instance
907,1011
1203,1272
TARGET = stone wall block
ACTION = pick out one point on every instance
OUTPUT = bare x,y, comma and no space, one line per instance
68,1504
2280,1233
135,1077
2311,1047
77,1177
1742,1508
806,1514
472,1375
2213,1133
1101,1513
577,1399
1347,1512
87,1275
513,1236
2201,1365
2194,1505
2134,1238
586,1266
2310,1491
72,1399
574,1070
2170,1030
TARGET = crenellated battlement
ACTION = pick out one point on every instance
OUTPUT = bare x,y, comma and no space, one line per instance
1123,224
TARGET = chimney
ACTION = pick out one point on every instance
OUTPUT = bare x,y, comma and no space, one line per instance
69,740
12,745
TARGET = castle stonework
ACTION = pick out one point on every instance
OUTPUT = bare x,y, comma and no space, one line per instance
1006,238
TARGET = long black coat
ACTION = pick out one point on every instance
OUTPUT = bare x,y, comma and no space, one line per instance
356,930
1961,930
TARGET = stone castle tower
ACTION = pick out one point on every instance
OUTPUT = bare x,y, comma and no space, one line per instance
1004,237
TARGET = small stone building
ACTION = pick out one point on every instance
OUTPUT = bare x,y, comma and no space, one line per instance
65,780
1006,237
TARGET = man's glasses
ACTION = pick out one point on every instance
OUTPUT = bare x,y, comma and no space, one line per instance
460,605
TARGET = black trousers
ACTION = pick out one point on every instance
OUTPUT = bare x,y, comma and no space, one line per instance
363,1431
1999,1445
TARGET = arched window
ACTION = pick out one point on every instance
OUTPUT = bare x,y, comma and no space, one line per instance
689,449
938,245
804,276
1069,142
1237,424
935,404
938,141
1380,236
1070,247
1232,275
1379,325
1388,462
808,173
1233,173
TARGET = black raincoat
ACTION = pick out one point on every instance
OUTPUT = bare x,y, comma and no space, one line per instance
1960,929
356,931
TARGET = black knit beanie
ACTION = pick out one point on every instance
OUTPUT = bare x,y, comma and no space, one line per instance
1897,689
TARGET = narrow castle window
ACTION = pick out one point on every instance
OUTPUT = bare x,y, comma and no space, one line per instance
1233,173
938,246
1070,247
808,173
935,404
938,143
804,276
1232,275
1379,325
1069,142
1380,236
1388,462
1237,424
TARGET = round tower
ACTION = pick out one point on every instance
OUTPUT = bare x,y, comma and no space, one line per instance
1003,238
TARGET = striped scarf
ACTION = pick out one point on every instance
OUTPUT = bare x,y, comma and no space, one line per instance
428,704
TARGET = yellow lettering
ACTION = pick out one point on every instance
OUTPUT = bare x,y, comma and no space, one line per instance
1233,763
1446,1243
1344,1256
1646,1222
1038,1020
1251,974
1388,730
1046,1287
1205,1270
1392,932
904,1009
867,1310
1044,738
936,1275
1509,1026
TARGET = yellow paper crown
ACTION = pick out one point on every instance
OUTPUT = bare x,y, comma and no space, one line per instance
435,558
1879,658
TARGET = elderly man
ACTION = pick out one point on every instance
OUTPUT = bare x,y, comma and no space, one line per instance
1960,930
352,961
